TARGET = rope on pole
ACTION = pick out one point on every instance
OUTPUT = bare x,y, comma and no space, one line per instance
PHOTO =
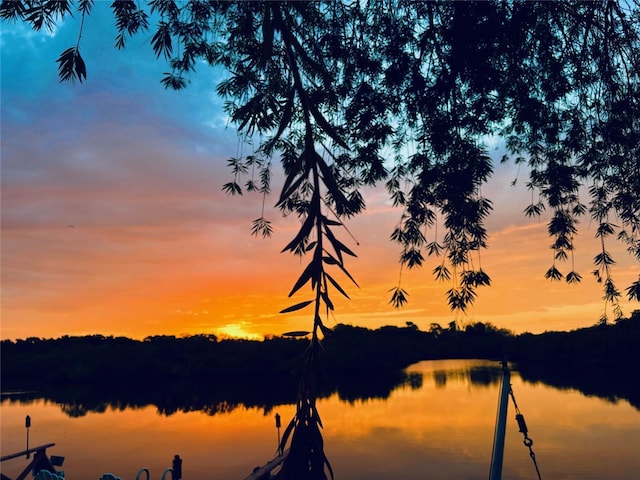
522,427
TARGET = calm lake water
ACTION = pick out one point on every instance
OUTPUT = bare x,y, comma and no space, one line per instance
438,425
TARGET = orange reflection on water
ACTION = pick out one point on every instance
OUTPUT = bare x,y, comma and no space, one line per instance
445,430
123,441
439,429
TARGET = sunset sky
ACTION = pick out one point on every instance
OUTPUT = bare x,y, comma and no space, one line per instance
114,222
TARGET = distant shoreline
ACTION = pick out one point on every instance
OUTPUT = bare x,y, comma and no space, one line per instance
346,350
357,360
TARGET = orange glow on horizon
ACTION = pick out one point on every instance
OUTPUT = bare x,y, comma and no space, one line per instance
226,298
217,279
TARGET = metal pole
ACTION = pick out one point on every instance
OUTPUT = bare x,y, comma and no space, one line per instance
501,422
278,428
27,424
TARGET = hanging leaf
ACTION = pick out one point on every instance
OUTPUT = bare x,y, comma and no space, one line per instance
603,259
434,248
482,279
633,291
12,10
308,274
232,188
344,270
327,300
573,277
329,260
605,229
287,115
338,246
261,226
611,293
173,81
553,274
161,40
297,306
71,66
296,333
534,210
441,272
398,297
412,257
336,285
302,235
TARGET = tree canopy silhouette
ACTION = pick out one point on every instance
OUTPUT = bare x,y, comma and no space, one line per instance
347,94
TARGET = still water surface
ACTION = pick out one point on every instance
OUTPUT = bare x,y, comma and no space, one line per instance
438,426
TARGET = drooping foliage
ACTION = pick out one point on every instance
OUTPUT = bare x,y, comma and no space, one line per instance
348,94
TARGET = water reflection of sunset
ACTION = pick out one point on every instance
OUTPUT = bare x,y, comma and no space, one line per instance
442,430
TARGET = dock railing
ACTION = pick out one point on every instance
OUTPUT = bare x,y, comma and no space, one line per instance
40,461
264,472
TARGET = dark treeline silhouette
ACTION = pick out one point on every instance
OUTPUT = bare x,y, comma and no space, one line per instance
203,372
99,359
